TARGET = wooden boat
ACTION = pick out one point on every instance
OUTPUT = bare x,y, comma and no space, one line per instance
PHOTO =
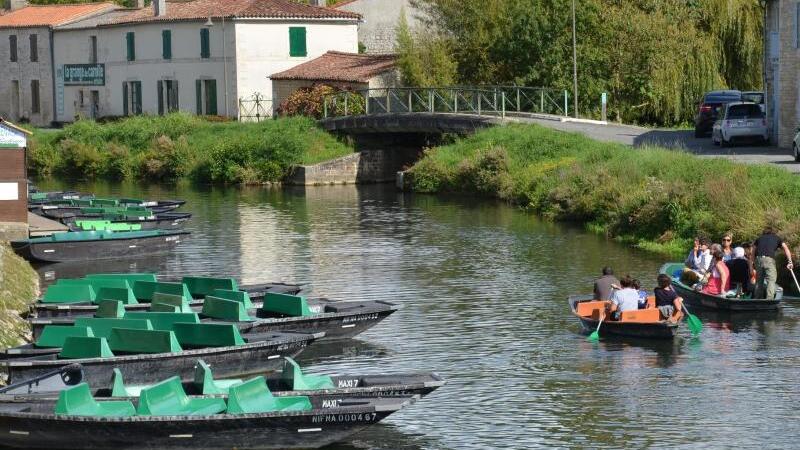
642,323
58,209
92,245
162,221
695,298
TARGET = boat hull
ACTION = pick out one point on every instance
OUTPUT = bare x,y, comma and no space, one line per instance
652,330
61,251
166,221
700,300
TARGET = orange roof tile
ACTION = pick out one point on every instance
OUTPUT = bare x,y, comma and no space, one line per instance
51,15
340,66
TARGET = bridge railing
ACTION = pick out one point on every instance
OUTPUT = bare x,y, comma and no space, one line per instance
497,101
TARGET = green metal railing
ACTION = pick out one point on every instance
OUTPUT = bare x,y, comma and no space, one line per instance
497,101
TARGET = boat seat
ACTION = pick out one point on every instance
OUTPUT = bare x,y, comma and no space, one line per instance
63,293
144,290
102,326
96,283
175,300
130,277
118,388
240,296
202,286
164,320
104,202
143,341
651,302
253,396
205,382
222,309
110,309
285,304
163,307
591,308
78,401
199,335
169,399
124,295
79,347
641,316
53,336
293,376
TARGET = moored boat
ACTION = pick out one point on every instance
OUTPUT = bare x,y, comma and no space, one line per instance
162,221
642,323
92,245
695,298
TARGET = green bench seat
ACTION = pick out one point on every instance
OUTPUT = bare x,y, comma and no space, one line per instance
79,347
199,335
163,307
285,304
96,283
102,326
202,286
145,290
78,401
118,388
53,336
110,309
240,296
253,396
294,377
177,301
205,382
104,202
222,309
164,321
129,340
169,399
63,293
130,277
124,295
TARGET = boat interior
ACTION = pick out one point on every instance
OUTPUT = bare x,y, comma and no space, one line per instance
594,309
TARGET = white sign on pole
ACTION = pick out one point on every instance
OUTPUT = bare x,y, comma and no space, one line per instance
9,191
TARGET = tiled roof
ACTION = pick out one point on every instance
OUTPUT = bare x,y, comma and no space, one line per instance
104,18
51,15
340,66
202,9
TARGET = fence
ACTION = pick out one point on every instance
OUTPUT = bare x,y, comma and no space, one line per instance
485,100
255,108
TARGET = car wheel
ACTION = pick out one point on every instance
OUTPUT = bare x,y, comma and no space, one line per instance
795,151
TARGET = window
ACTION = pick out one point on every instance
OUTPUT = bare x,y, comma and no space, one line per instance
167,90
93,49
166,44
15,99
205,43
81,100
131,98
297,41
130,40
12,46
206,93
34,47
35,107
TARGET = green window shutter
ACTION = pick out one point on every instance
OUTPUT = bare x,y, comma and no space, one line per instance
211,97
124,98
297,41
198,85
166,43
205,43
160,85
131,41
138,101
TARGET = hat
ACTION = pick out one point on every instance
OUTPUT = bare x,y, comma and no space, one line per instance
738,252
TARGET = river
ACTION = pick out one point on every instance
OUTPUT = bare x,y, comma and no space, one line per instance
483,290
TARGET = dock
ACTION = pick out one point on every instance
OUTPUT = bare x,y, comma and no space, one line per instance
42,226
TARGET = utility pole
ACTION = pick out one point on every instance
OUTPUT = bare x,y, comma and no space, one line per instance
574,62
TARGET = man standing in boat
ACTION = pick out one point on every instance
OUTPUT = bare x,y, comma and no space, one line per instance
603,285
766,270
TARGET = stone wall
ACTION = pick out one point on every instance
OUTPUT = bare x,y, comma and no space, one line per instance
783,70
378,32
15,77
366,166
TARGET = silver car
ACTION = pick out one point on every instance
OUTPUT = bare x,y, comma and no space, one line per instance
741,121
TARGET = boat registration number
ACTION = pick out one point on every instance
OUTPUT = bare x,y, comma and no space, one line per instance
171,238
348,383
360,318
341,418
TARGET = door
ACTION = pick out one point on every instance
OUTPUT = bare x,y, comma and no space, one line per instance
95,105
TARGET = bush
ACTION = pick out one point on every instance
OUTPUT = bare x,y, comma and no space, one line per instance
310,102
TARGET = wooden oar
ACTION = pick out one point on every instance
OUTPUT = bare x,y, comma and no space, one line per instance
694,323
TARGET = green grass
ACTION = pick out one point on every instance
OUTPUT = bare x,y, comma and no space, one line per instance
653,198
182,146
18,288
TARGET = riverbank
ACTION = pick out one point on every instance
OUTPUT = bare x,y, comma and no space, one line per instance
182,146
19,285
653,198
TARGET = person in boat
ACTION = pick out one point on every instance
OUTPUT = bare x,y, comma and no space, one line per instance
603,286
748,254
642,293
764,261
727,246
667,300
719,279
739,268
697,263
624,299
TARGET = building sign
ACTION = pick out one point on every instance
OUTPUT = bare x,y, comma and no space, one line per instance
11,137
84,74
9,191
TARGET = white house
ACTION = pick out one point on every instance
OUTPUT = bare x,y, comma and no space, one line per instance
200,56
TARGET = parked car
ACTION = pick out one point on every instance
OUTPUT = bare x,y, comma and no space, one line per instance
796,146
756,97
740,121
708,110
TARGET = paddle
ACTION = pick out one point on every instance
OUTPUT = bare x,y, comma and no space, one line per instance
595,336
795,280
694,323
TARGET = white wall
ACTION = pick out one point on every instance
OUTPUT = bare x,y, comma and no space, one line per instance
378,32
24,71
262,49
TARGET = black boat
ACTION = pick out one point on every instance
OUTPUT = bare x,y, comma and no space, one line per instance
162,221
61,209
92,245
702,300
643,323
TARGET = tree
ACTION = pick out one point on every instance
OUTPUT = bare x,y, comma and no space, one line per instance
424,57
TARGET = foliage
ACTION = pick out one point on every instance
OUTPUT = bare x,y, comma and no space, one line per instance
19,284
656,198
182,146
306,101
655,59
424,57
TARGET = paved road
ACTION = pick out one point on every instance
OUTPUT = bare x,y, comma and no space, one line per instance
678,139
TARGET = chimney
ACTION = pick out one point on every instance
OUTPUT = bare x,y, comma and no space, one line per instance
14,5
139,4
159,8
318,3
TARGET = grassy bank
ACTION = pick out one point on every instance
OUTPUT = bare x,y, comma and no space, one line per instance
19,285
654,198
182,146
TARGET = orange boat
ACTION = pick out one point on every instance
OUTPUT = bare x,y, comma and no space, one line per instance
642,323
